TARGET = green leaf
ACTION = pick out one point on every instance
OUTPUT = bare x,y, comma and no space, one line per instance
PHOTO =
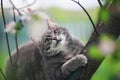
104,15
94,52
18,26
105,36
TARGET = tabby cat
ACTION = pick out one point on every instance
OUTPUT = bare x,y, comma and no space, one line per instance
56,58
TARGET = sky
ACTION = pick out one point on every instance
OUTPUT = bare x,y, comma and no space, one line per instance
68,4
65,4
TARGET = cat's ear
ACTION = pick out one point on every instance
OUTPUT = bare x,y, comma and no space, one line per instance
48,25
51,23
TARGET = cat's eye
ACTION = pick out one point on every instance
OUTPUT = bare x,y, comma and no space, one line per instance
55,31
47,39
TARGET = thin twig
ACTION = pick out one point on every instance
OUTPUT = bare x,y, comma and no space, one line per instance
87,15
28,5
6,35
100,3
25,6
16,41
22,7
14,16
16,10
98,26
3,74
15,7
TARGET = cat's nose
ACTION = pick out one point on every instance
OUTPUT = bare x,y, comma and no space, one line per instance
57,39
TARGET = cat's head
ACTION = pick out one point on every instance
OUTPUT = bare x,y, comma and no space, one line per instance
55,40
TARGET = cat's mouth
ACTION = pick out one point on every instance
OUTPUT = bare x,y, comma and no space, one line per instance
54,47
57,45
57,41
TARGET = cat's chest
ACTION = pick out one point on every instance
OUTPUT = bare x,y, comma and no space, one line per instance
55,61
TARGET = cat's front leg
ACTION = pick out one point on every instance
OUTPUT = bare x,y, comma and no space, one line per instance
73,64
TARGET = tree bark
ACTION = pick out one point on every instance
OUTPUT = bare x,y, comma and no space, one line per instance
112,28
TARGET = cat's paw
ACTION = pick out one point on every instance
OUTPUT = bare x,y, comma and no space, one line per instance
81,59
73,64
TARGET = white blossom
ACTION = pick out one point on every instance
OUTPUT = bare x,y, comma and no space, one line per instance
26,18
107,47
10,27
31,15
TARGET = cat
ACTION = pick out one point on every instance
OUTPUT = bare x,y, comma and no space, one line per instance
56,58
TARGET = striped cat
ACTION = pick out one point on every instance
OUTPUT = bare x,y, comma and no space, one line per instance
56,58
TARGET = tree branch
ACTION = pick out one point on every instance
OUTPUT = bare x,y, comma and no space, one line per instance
98,26
87,15
113,28
14,17
15,7
6,35
100,3
16,39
